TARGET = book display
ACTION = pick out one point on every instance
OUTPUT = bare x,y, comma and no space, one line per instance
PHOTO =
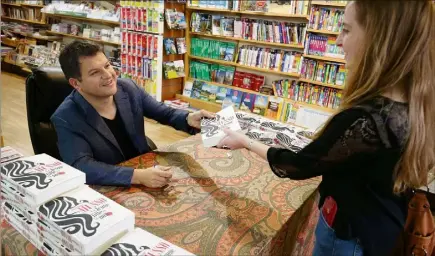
48,203
142,44
282,59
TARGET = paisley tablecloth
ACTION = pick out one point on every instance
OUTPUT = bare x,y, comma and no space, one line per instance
220,205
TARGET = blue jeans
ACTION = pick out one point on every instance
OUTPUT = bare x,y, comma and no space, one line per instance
327,244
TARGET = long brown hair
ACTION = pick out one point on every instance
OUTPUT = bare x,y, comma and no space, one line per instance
399,51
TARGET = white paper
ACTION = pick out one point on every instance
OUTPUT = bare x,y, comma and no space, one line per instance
141,242
212,129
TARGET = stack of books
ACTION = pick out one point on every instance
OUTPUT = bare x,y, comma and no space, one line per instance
49,204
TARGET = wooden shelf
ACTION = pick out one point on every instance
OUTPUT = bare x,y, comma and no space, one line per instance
23,20
40,37
280,15
324,3
200,104
230,63
10,4
323,32
107,22
339,87
84,38
325,58
295,46
329,110
33,5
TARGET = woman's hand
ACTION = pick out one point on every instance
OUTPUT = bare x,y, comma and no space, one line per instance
233,140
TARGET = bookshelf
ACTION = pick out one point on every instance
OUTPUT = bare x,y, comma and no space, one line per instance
272,75
84,38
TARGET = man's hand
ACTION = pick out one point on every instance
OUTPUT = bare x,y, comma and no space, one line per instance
194,119
154,177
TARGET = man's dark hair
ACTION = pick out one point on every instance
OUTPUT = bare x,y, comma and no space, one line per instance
70,55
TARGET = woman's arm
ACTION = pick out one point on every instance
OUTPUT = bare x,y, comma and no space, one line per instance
349,136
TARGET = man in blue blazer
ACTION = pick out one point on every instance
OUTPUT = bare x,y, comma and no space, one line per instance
101,123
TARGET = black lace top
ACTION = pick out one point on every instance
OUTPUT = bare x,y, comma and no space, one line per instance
356,156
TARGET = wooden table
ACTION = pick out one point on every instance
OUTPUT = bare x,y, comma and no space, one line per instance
221,205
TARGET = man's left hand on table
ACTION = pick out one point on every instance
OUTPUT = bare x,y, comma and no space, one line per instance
194,119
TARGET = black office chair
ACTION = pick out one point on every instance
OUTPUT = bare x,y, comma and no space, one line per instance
46,88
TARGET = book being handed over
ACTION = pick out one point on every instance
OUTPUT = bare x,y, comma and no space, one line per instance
212,130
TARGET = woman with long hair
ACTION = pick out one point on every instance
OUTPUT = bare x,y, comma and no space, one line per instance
381,142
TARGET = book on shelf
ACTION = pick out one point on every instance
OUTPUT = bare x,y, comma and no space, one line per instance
248,81
248,102
325,72
260,105
322,45
269,58
187,89
141,242
173,69
201,23
326,18
181,45
274,107
255,5
170,47
175,19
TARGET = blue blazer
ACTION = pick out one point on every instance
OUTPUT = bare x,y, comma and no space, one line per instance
86,142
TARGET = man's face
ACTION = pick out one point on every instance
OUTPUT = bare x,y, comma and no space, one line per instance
98,78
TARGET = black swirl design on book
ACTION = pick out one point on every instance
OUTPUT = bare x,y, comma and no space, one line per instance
18,171
287,142
209,127
57,210
124,249
253,135
276,127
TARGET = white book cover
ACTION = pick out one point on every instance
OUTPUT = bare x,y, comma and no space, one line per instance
42,177
8,154
212,129
86,218
141,242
